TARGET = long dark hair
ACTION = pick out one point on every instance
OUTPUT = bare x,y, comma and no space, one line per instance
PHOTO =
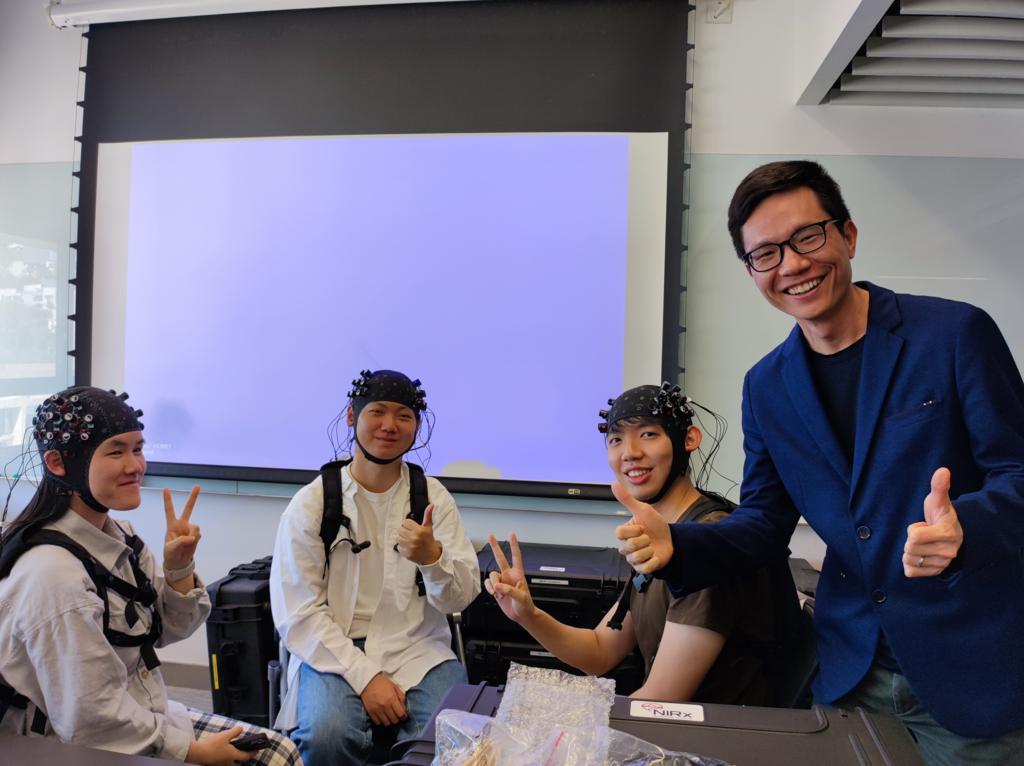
48,504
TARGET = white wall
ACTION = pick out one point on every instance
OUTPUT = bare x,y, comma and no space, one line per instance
38,85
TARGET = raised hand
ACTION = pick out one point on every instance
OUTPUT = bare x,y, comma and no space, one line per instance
384,701
416,541
646,541
182,536
932,544
508,584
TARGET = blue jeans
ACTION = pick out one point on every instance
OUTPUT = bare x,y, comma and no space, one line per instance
334,729
882,691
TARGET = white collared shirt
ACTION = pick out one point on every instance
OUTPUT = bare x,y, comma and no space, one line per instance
408,634
53,651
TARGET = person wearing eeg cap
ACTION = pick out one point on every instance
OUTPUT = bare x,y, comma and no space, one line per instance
369,559
84,605
707,647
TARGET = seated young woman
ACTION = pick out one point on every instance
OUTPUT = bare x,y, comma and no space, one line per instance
84,604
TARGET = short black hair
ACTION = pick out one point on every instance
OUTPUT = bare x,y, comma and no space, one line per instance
777,177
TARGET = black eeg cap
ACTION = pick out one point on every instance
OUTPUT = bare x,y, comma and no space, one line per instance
666,404
385,386
74,422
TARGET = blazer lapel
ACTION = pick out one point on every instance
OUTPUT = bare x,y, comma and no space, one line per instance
881,353
796,374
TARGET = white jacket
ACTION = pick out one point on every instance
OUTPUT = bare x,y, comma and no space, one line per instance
53,651
408,634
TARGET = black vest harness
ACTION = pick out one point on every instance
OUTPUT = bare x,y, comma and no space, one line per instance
142,594
335,518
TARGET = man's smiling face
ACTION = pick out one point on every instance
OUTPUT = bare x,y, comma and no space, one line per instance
813,287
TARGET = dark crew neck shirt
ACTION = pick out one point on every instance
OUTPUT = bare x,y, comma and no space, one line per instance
837,380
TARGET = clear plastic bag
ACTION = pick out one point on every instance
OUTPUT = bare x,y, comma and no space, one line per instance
537,700
549,718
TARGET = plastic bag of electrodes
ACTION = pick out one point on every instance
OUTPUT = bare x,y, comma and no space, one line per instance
549,718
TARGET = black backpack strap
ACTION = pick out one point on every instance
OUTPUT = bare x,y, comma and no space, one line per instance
640,582
621,608
98,575
10,698
145,593
31,537
418,499
334,517
102,580
39,722
418,502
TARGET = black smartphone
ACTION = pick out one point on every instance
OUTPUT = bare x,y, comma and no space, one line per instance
256,740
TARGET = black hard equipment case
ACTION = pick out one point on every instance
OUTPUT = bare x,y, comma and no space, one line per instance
241,640
738,735
575,585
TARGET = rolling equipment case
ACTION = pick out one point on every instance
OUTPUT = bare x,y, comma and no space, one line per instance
241,640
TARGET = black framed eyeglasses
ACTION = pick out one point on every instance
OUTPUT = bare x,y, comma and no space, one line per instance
805,240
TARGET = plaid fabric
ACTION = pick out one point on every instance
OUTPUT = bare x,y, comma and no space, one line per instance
281,752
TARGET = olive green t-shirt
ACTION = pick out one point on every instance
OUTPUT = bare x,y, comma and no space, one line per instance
741,609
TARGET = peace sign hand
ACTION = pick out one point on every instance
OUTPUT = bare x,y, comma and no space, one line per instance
508,585
182,536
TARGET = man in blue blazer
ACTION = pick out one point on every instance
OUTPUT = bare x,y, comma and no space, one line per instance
894,424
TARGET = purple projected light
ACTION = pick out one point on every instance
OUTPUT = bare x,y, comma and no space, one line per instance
263,275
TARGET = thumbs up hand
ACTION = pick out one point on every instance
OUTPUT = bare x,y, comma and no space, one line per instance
932,544
416,541
646,541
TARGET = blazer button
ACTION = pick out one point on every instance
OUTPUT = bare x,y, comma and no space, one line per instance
878,596
863,532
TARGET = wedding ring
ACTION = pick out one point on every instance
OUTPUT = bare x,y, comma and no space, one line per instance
920,562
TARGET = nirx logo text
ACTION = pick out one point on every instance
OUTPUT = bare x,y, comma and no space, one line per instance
653,708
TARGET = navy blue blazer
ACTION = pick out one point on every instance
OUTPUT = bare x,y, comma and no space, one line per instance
938,387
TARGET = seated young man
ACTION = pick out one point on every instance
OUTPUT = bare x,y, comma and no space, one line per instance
363,612
704,647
